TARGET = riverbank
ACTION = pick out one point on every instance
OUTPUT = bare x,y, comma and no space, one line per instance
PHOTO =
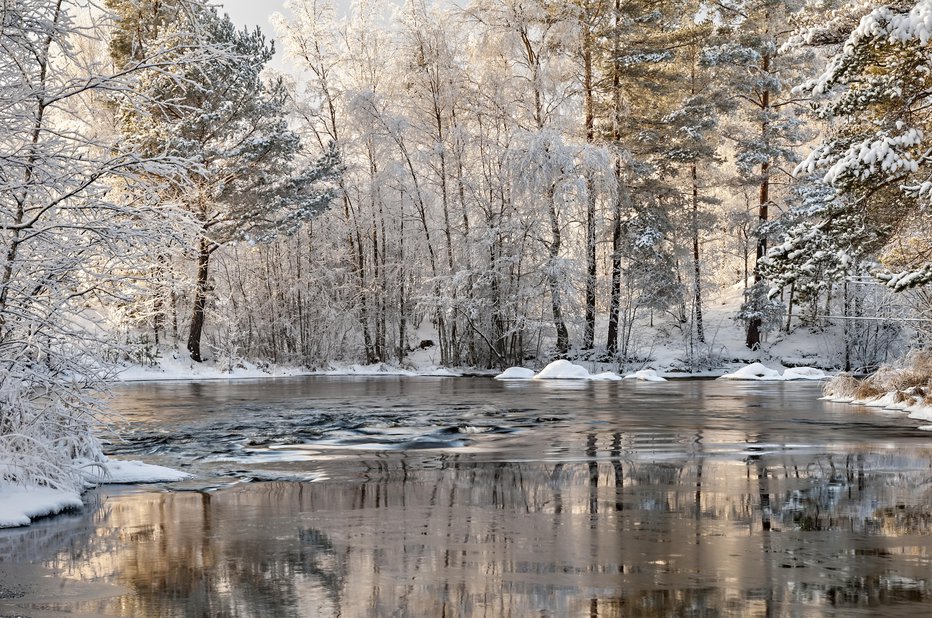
651,345
20,505
905,385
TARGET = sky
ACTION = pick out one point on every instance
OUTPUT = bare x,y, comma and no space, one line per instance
253,13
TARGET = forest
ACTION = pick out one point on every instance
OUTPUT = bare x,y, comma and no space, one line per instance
505,182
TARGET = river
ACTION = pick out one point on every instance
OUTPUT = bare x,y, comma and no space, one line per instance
389,496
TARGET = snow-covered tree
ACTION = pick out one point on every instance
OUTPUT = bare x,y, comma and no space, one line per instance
71,242
214,110
768,130
875,91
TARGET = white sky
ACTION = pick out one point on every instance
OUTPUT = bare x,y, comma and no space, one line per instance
252,13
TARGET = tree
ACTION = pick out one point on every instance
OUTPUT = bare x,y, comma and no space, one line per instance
215,111
761,70
70,239
875,91
692,138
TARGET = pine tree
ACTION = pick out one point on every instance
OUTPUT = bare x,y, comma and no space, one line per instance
769,131
875,91
213,110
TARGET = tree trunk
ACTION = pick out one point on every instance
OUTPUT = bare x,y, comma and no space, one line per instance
697,268
611,344
200,301
754,325
591,272
563,338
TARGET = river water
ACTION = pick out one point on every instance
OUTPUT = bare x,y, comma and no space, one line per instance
389,496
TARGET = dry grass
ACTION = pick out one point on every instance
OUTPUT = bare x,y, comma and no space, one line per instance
909,378
841,386
867,391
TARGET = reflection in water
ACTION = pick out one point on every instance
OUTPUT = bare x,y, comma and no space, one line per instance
612,517
772,535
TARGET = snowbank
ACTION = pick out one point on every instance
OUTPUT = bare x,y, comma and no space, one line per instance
563,370
920,411
607,376
175,367
917,408
645,375
762,373
754,371
20,505
516,373
383,369
118,471
804,373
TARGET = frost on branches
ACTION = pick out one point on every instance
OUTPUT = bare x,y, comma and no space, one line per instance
76,226
875,91
63,238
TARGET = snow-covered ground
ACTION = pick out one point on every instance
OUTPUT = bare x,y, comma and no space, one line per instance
660,346
176,366
19,504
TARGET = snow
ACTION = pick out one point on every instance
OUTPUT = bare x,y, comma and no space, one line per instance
920,411
20,505
119,471
516,373
916,407
563,370
762,373
804,373
754,371
606,376
176,367
645,375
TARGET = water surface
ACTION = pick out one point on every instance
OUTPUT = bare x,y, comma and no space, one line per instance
470,497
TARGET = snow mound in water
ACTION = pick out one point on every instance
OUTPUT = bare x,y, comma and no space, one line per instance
645,375
804,373
563,370
754,371
516,373
117,471
607,376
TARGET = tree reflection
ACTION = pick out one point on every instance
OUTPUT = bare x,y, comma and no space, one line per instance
615,533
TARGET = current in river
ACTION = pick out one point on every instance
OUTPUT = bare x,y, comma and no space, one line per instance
400,496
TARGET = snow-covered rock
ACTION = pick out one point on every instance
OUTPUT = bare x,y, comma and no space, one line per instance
516,373
117,471
563,370
607,376
804,373
754,371
20,505
646,375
